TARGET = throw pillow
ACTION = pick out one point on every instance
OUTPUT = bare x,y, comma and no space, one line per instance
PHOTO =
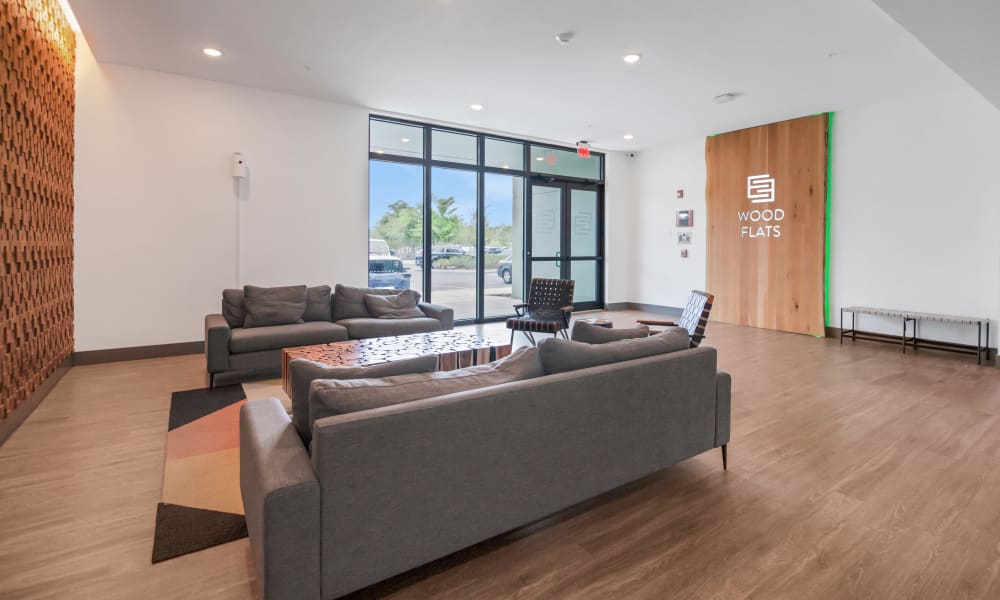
398,306
595,334
559,356
329,397
274,305
303,372
318,304
349,302
233,309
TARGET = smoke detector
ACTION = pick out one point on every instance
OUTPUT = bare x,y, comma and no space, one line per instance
564,38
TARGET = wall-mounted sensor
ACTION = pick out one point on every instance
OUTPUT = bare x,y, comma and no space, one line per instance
239,165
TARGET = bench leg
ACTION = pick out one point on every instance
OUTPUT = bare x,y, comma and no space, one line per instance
904,335
725,458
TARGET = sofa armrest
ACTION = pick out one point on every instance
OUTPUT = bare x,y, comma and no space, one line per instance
723,407
281,501
217,333
445,314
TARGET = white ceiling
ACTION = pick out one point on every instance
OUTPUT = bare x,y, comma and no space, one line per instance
432,58
965,34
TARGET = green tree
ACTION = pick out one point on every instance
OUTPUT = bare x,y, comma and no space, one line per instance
400,226
445,223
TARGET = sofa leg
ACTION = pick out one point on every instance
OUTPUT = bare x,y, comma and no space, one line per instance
725,459
211,381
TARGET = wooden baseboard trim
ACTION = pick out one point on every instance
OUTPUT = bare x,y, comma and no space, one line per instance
96,357
9,425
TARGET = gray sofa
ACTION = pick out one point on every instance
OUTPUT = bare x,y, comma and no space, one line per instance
384,490
234,352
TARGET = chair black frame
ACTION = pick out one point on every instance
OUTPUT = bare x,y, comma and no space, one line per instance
553,296
694,318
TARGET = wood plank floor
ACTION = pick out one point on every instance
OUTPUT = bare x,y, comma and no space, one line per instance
855,472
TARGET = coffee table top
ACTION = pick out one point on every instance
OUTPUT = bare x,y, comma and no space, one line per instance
454,349
371,351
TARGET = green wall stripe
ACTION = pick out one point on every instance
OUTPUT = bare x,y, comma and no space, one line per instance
826,244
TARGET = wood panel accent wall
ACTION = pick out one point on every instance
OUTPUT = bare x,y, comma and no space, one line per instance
37,59
766,235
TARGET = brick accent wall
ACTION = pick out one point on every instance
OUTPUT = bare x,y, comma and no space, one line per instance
37,58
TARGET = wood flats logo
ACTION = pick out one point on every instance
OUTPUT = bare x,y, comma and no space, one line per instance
760,188
760,223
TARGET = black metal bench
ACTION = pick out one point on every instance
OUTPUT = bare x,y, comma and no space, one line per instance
915,342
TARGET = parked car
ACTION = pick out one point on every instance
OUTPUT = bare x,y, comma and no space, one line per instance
492,250
504,271
439,252
387,272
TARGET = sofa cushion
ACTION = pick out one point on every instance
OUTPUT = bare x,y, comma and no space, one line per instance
595,334
371,327
349,302
303,372
560,355
268,306
328,397
396,306
319,304
285,336
233,309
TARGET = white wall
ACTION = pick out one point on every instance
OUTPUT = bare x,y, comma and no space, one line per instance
619,222
915,209
914,215
156,215
661,276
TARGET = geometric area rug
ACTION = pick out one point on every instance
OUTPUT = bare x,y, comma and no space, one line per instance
200,505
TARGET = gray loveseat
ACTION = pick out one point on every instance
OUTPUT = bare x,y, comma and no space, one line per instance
384,490
236,352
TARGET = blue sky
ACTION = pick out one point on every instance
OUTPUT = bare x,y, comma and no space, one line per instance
389,182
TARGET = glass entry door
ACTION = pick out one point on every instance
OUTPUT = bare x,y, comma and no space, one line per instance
566,238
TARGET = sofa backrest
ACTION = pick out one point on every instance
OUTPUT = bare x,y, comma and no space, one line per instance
318,305
432,476
349,301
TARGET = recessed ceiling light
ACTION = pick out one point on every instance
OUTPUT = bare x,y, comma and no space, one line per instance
505,167
405,140
632,58
629,136
476,106
214,53
380,152
540,158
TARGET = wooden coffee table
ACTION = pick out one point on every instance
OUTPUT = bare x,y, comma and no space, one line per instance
454,349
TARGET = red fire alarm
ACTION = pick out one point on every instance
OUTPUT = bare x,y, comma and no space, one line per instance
583,149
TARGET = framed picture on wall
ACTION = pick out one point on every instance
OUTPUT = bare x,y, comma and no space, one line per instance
685,218
683,237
